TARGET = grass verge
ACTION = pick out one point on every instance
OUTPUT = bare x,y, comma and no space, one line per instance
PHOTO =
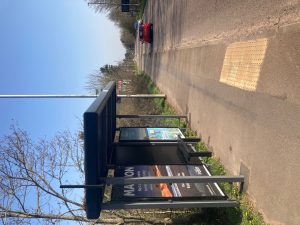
141,9
246,214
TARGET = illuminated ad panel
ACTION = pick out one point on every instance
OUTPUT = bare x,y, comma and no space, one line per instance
149,134
164,190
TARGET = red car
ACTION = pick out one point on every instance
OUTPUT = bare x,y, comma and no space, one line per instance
146,32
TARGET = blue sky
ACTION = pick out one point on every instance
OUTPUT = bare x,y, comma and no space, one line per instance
49,47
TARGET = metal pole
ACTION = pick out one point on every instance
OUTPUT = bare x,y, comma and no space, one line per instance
89,186
83,96
150,116
48,96
111,4
158,180
169,204
152,142
143,96
103,3
174,179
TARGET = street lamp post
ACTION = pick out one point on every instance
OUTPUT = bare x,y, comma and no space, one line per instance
83,96
112,4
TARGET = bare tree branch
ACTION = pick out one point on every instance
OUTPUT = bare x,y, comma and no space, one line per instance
32,172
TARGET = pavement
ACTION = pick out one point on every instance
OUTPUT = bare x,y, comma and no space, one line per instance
234,68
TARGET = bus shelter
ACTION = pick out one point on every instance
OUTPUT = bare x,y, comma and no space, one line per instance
146,167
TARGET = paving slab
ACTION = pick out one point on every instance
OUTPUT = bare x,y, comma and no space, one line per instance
234,67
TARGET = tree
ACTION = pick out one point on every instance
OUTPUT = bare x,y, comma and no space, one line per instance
30,175
122,71
107,5
104,5
123,20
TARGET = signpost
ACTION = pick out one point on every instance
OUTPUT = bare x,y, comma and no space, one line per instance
125,5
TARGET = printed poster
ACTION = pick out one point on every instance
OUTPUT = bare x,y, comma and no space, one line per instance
149,134
165,190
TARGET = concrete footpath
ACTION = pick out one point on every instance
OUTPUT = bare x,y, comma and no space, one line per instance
234,67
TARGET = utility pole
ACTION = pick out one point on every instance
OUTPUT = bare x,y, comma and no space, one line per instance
112,4
103,3
84,96
48,96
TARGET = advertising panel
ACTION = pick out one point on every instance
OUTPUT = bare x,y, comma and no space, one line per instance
149,134
165,190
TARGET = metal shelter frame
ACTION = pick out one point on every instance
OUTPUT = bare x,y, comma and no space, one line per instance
101,154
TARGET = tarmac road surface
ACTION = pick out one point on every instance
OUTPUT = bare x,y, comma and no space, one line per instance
234,67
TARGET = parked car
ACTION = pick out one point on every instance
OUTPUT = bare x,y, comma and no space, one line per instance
145,31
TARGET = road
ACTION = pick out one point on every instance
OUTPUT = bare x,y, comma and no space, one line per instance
234,67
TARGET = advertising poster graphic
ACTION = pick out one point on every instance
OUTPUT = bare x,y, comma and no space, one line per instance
165,190
164,133
149,134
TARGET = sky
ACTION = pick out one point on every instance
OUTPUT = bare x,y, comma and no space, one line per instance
49,47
